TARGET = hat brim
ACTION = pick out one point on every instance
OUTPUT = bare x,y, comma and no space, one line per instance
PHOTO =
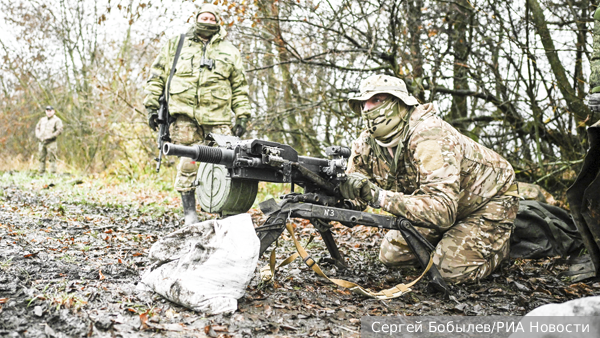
355,102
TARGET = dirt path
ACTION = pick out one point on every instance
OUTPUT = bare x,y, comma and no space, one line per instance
69,268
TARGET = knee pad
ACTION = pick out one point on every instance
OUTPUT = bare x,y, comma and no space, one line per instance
187,166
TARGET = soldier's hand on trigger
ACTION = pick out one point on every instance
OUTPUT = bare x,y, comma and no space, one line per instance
239,128
356,185
594,102
153,119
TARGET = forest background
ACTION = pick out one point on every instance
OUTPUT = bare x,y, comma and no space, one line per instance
513,75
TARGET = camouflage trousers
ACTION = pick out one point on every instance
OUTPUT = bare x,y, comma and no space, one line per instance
187,132
469,250
47,151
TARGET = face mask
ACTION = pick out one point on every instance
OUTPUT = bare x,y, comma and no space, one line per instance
206,30
383,120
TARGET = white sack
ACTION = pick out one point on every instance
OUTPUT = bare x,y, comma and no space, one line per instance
205,266
587,306
566,319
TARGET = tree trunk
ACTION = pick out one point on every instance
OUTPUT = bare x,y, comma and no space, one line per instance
574,103
460,43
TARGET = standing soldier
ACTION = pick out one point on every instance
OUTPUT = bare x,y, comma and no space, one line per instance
412,164
46,131
594,100
208,85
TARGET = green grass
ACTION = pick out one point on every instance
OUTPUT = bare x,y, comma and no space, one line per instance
6,264
68,259
148,193
70,301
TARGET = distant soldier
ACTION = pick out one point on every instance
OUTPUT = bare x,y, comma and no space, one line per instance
594,99
412,164
46,131
208,89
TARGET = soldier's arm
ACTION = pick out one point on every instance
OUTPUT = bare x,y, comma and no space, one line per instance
158,75
240,102
357,163
37,130
58,128
437,158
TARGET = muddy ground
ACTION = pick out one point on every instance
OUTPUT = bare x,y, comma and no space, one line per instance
69,268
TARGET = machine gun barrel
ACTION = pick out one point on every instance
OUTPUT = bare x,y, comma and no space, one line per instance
200,153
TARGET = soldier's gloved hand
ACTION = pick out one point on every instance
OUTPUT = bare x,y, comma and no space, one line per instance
594,102
358,185
153,119
240,126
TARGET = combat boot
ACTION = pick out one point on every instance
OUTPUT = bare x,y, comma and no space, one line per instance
188,200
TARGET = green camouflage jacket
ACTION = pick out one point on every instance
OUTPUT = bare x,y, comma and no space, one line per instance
207,96
439,178
48,129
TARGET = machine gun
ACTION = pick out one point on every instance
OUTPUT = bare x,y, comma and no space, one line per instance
240,164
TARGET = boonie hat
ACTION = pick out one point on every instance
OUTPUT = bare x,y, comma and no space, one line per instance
379,84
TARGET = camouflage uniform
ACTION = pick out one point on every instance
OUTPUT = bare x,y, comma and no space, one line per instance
46,132
185,131
460,194
201,100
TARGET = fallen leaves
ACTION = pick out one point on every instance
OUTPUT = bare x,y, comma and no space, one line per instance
578,290
300,298
268,311
212,330
146,324
143,319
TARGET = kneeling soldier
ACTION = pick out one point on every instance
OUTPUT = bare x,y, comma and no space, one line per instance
411,163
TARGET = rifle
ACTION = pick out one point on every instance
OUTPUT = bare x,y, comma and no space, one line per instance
164,118
252,161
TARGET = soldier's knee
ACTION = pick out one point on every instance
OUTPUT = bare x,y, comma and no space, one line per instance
187,166
186,175
394,255
454,273
407,261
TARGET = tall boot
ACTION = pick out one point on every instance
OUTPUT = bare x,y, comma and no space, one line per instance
188,200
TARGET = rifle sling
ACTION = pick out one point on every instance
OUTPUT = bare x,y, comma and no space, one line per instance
390,293
172,72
